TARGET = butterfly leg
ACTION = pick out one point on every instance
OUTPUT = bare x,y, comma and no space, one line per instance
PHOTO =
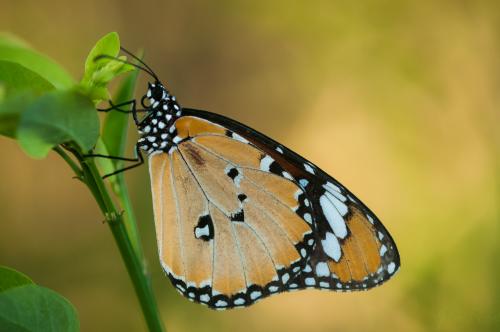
118,108
139,159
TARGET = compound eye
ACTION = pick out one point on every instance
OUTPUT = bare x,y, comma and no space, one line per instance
158,93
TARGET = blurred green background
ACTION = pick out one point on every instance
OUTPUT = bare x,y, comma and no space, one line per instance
399,100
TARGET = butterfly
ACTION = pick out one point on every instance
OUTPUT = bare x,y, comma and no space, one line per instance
240,217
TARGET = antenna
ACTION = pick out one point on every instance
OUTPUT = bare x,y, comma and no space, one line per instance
145,69
151,71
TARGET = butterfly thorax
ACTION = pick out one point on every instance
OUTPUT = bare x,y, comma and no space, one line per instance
157,129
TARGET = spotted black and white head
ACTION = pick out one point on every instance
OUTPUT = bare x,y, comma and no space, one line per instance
157,130
156,94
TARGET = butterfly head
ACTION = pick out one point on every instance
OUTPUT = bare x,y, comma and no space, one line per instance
155,95
157,128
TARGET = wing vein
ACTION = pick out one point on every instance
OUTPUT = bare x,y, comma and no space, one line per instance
235,236
160,249
263,243
217,207
179,223
251,168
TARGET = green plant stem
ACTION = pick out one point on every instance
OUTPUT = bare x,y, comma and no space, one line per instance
69,161
129,218
133,262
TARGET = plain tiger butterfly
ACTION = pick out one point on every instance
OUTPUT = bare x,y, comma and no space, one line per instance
240,217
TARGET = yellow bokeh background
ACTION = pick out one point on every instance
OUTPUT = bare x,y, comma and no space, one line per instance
398,100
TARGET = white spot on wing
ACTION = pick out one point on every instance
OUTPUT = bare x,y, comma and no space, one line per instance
255,295
333,187
265,163
339,196
309,168
383,250
333,217
322,269
391,267
341,207
335,191
239,301
273,289
279,149
237,180
221,303
303,182
203,231
310,281
331,246
239,138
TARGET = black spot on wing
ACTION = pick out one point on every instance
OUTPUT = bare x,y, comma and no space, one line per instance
238,216
233,173
242,197
204,230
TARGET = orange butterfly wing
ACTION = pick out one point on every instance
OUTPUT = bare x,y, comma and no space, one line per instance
240,217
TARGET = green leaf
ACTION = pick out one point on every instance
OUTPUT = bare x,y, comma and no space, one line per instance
25,306
58,117
13,50
35,308
107,45
100,71
10,278
21,85
10,113
6,38
16,78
